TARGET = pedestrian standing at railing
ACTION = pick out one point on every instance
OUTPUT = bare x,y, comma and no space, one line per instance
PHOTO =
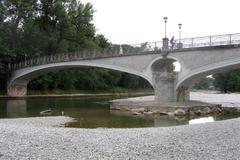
172,41
144,46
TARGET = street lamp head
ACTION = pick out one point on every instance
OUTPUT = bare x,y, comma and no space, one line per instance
180,25
165,19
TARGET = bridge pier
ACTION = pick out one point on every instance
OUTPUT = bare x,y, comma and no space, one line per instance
164,80
17,90
164,86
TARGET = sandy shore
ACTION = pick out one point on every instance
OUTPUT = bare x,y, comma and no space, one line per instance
33,138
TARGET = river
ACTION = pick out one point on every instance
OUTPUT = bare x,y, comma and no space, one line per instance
95,112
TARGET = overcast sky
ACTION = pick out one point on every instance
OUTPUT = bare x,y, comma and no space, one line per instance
136,21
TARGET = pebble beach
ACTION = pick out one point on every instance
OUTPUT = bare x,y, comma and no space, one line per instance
44,138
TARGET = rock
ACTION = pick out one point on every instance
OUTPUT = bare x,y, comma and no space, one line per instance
163,113
156,112
219,109
179,112
180,118
115,108
148,112
191,113
197,112
139,110
170,113
206,110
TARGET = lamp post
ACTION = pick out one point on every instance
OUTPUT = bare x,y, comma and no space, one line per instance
179,26
165,21
180,45
165,39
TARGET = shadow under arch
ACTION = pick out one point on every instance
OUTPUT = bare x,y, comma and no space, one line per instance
170,60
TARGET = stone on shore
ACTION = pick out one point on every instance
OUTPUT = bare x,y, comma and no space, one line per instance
147,105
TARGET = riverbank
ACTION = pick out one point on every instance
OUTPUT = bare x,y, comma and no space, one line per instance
217,140
84,95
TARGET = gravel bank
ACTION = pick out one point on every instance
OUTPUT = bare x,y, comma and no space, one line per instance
227,100
57,121
20,139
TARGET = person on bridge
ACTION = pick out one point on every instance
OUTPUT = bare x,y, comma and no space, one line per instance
172,41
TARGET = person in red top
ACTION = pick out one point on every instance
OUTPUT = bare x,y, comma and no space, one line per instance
181,93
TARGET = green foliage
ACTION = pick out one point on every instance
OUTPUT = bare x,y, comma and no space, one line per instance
31,28
205,83
229,81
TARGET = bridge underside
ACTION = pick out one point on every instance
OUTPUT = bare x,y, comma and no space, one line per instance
162,80
17,84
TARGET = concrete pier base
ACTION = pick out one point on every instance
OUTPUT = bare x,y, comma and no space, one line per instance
164,77
164,86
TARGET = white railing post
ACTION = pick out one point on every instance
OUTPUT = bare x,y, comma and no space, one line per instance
155,46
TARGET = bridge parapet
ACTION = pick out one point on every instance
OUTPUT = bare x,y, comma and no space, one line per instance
122,50
208,41
132,49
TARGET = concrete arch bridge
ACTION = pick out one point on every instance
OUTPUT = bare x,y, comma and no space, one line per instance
198,57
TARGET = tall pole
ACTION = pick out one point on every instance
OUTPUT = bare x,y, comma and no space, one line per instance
165,20
179,26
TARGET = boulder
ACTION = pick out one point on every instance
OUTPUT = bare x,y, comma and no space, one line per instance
179,112
139,110
206,110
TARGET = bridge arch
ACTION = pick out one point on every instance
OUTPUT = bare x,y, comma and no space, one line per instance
17,85
164,78
201,72
173,58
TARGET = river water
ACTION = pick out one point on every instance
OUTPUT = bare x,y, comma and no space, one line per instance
90,113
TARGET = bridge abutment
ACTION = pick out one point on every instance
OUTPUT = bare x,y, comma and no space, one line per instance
17,90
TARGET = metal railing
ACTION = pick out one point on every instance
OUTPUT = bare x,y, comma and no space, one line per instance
217,40
132,49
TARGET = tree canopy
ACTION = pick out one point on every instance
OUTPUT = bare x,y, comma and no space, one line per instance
31,28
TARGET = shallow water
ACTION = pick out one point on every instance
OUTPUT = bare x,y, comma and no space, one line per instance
88,112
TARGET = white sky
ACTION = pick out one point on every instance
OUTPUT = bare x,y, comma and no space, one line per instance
136,21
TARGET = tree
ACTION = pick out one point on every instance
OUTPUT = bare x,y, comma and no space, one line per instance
228,81
205,83
32,28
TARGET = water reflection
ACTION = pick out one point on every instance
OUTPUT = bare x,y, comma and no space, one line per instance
201,120
16,108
